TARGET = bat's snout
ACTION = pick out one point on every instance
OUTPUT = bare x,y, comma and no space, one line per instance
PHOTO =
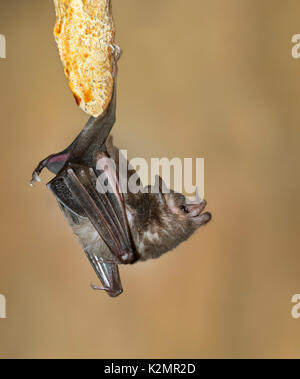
195,213
194,210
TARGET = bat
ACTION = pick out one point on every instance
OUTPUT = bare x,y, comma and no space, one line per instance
113,226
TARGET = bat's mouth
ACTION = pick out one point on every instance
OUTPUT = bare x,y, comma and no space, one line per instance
195,213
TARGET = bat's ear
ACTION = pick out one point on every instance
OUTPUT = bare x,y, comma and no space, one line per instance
160,188
161,185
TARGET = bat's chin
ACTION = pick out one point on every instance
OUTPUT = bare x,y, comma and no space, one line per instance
202,219
196,215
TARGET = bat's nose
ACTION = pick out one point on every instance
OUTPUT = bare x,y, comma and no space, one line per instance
196,209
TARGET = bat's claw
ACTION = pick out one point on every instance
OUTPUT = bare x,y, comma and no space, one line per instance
116,52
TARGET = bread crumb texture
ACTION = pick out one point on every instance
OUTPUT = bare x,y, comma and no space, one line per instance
84,33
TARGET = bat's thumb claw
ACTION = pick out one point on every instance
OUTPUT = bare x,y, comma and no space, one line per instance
35,179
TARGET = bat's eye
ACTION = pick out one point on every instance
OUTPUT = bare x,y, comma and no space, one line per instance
184,209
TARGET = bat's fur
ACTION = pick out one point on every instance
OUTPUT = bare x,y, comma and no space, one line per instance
157,222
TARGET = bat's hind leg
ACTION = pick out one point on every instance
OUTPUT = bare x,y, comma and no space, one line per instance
54,163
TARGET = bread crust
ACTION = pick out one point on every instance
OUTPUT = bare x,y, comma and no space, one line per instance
85,33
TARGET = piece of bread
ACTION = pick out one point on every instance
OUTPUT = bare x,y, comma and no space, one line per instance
84,33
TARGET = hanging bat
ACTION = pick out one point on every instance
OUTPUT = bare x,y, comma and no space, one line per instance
84,32
114,227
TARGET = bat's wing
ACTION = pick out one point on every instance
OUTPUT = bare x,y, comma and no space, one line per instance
78,190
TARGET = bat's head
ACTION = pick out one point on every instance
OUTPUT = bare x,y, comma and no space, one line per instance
168,220
191,214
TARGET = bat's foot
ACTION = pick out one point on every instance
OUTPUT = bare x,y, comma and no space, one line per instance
116,52
54,163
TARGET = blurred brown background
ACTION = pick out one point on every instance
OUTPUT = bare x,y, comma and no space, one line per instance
211,79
